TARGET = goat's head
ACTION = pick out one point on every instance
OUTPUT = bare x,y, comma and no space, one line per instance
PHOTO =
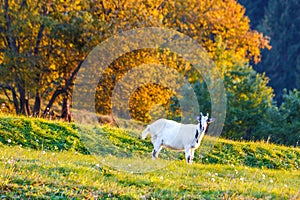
204,121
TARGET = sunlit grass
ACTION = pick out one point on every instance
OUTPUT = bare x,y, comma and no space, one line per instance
54,160
46,174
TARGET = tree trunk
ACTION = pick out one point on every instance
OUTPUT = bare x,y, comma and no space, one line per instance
15,100
66,113
14,96
52,100
63,89
27,107
37,104
24,107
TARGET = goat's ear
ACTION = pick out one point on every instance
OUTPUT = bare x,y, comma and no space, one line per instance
198,118
210,120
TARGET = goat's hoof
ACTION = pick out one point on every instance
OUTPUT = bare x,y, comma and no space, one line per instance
189,160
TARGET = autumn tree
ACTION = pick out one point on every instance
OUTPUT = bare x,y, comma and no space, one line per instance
44,45
152,76
23,67
215,25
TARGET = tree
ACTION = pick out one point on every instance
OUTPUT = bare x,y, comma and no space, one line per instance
43,45
215,25
209,21
290,111
22,64
155,66
282,125
255,10
64,33
249,98
282,64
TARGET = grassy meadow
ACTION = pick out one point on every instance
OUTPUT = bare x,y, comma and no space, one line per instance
43,159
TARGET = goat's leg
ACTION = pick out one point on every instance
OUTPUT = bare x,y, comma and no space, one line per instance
192,152
188,156
157,147
155,153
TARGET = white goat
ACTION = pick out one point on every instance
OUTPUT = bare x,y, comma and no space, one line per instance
177,136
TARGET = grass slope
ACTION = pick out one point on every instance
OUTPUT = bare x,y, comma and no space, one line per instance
49,160
27,173
58,136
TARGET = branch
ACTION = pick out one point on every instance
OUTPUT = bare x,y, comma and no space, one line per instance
161,5
11,39
60,90
5,92
14,95
8,87
38,39
70,80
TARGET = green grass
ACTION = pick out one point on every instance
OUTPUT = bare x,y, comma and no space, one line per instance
54,160
39,134
58,136
27,173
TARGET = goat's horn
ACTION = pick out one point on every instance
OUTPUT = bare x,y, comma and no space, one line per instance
207,114
201,114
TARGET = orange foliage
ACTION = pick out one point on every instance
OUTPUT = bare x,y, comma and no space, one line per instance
221,27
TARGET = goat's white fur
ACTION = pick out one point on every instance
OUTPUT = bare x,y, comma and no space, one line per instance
177,136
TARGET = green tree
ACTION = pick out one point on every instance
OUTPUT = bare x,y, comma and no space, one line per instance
255,10
282,64
248,98
290,111
282,125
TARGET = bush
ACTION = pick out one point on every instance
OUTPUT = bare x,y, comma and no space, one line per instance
282,125
248,98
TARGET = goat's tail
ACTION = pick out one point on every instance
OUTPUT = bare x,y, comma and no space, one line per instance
146,132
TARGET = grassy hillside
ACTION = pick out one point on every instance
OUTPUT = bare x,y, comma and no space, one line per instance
42,159
39,134
58,136
27,173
